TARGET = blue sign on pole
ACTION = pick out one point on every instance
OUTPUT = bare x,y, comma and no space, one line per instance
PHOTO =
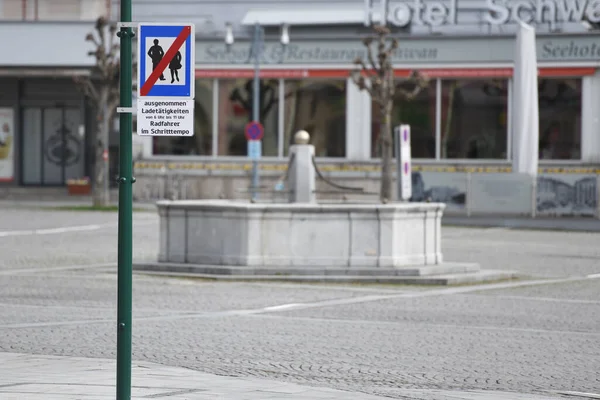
166,60
254,149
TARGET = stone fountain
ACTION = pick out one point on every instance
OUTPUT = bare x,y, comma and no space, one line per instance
303,240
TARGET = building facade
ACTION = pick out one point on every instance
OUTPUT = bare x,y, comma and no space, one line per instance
46,123
465,47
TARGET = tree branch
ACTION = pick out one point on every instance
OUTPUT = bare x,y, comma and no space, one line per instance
91,38
381,73
112,106
370,57
100,28
87,86
364,70
271,100
236,96
360,81
358,76
420,81
391,84
112,31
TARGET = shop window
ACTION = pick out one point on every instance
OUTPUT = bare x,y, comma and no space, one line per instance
560,119
318,107
474,119
201,142
235,111
418,112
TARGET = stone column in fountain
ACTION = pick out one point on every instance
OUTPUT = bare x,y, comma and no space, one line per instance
301,177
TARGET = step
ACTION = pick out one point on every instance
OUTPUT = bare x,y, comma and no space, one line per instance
446,268
471,276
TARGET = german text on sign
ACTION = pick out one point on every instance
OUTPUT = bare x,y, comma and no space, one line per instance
165,117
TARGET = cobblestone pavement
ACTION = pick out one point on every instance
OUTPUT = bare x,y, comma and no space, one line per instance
58,297
539,253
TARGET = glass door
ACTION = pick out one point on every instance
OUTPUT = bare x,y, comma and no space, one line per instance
52,149
32,145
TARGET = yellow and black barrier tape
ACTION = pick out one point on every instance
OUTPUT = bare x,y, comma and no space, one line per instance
215,166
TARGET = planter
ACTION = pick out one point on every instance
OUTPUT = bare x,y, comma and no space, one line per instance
79,187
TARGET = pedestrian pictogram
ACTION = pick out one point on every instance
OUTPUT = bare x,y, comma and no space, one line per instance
254,131
166,60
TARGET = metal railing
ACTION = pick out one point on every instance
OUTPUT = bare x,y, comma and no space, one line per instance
170,185
329,182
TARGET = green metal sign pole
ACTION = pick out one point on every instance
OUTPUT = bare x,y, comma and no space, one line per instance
126,180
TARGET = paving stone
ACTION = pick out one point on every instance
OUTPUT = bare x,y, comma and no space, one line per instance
525,340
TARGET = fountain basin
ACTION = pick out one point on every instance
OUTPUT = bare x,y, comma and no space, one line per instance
237,233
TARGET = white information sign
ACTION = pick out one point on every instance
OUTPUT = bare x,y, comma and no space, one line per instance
254,149
165,117
403,162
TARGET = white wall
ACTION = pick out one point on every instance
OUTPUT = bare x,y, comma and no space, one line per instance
45,44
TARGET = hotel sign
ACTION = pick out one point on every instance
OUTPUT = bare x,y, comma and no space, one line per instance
401,13
428,51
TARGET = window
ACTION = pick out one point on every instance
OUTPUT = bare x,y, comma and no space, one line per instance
318,107
12,9
474,119
235,111
201,142
53,10
59,9
560,118
418,112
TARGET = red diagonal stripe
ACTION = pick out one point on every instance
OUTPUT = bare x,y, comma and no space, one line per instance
162,65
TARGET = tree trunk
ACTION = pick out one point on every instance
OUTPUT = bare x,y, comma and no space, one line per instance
100,193
385,193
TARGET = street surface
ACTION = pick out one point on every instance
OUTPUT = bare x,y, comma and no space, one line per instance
58,297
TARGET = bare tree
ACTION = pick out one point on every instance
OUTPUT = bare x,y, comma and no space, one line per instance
101,89
268,98
376,76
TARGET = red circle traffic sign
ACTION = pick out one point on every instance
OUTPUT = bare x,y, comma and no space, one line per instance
254,130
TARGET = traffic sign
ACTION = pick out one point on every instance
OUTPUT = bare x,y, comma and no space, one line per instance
254,130
254,149
165,117
166,60
405,129
403,162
